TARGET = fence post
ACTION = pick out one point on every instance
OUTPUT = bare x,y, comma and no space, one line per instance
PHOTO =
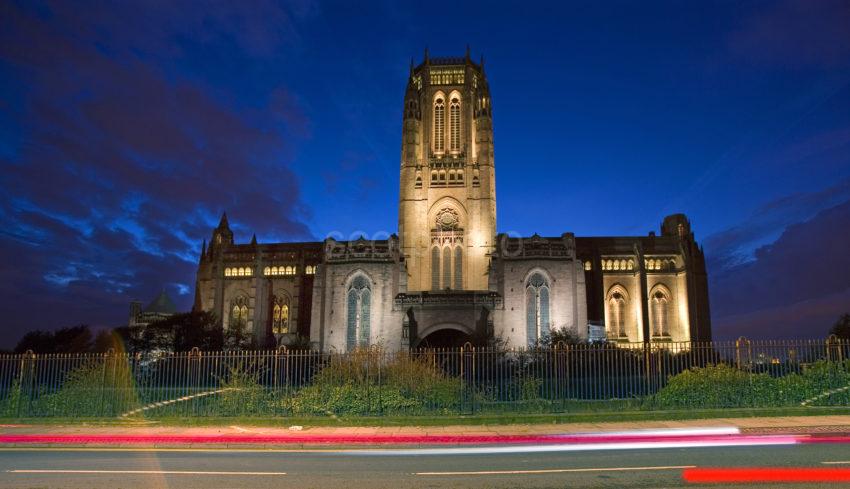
833,345
561,373
741,343
282,350
380,359
26,376
194,372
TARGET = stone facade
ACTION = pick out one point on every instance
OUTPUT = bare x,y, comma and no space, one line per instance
448,277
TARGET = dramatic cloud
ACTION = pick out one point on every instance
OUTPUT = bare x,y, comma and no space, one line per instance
737,245
120,165
795,287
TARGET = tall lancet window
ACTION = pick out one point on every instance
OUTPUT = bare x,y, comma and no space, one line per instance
659,314
458,268
617,302
358,314
435,268
537,308
447,267
439,125
454,125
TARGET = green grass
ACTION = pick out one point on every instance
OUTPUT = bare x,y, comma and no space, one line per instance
481,419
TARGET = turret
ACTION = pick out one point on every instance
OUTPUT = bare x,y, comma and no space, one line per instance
222,235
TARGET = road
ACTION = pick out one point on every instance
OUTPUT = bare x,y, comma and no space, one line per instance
214,469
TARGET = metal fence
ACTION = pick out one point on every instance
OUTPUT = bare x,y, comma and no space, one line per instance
564,378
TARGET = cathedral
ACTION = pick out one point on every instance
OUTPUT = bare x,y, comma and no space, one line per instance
448,277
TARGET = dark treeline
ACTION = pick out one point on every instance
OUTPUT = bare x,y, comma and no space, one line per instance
180,332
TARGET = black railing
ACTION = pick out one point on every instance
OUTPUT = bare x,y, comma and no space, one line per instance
428,381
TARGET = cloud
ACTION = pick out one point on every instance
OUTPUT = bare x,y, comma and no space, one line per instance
122,163
737,245
795,34
793,286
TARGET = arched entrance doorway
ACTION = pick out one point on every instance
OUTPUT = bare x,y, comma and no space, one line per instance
444,338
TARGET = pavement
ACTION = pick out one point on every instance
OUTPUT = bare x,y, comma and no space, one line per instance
835,427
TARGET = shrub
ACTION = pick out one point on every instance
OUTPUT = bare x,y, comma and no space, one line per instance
359,384
722,386
101,387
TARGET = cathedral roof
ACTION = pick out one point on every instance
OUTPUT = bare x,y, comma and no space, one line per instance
162,304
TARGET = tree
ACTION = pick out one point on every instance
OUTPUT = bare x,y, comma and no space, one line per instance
182,332
75,339
841,328
237,336
561,335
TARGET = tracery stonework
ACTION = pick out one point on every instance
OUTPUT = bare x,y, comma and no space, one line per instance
448,270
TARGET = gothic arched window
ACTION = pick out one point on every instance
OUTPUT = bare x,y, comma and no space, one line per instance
617,302
454,125
537,308
458,268
238,312
358,315
439,125
447,267
280,316
660,301
435,268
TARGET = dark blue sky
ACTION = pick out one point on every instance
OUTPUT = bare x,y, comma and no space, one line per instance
126,130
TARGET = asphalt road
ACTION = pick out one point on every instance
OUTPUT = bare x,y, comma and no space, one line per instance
214,469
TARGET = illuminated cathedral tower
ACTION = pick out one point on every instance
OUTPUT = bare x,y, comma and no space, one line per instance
447,199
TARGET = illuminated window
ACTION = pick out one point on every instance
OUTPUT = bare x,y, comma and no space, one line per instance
439,125
458,268
310,269
659,313
631,264
447,267
588,266
435,268
280,316
617,302
454,125
537,308
226,272
359,313
238,312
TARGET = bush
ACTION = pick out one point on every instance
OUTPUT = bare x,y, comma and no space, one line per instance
358,384
723,386
97,388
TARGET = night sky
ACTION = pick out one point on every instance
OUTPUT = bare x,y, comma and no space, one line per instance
126,130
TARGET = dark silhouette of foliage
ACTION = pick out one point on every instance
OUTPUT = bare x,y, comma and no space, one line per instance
76,339
841,328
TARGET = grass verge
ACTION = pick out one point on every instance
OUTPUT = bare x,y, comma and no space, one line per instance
499,419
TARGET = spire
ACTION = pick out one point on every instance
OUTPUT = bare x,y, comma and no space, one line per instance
223,223
203,249
426,57
467,53
254,239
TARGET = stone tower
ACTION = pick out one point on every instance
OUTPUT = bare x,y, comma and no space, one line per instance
447,199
